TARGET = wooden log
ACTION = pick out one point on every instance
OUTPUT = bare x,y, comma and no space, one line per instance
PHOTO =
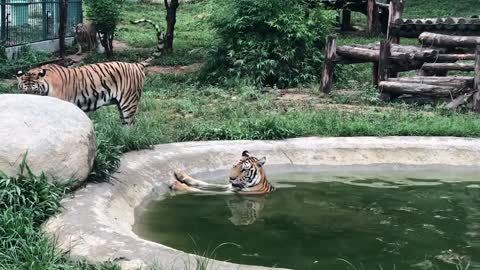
358,53
432,39
458,81
439,67
454,57
476,82
373,23
456,102
346,20
329,64
395,12
419,89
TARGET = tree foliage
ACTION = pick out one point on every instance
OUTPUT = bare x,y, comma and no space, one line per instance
272,42
106,14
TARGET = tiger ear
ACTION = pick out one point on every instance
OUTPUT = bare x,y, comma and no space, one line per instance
262,161
19,73
42,73
245,153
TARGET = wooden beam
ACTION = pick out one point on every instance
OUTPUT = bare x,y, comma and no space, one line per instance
476,82
454,57
439,67
458,81
329,64
419,89
432,39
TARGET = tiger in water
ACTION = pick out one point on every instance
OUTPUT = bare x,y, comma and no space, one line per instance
247,177
89,87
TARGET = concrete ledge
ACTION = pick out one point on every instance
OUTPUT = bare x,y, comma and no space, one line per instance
49,46
97,221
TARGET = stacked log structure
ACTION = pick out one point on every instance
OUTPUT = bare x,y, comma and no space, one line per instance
389,59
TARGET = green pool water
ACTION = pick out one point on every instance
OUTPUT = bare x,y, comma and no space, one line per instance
316,225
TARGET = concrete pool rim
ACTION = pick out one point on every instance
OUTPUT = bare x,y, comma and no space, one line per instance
96,221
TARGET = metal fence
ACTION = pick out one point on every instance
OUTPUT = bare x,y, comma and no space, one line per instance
28,21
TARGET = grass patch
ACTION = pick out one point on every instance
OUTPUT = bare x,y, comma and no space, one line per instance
174,108
26,201
192,32
27,60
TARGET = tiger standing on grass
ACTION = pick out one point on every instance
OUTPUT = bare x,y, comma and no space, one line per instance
247,177
85,36
90,87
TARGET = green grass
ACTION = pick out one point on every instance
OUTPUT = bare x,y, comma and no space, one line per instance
26,201
27,60
175,109
192,35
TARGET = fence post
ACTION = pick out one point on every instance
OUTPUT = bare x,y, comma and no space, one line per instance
395,11
63,25
44,20
3,15
329,64
476,83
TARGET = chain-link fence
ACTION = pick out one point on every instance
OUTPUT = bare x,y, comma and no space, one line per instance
27,21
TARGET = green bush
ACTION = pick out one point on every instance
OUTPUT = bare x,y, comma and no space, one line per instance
106,14
272,42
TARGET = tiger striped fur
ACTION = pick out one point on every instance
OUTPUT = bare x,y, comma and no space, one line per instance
85,36
247,176
158,30
89,87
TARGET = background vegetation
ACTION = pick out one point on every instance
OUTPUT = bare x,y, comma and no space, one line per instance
182,107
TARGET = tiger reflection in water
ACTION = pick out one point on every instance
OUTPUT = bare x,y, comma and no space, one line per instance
247,177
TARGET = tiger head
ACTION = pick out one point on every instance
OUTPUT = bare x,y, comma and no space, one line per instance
247,172
76,28
33,82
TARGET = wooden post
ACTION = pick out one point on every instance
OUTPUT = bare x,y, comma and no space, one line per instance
329,64
63,25
476,81
383,61
346,20
395,12
373,20
3,22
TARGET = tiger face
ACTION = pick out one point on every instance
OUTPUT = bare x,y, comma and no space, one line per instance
247,172
33,82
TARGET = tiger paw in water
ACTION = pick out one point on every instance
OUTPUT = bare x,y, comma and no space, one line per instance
178,186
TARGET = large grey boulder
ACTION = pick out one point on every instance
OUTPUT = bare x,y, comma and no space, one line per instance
58,137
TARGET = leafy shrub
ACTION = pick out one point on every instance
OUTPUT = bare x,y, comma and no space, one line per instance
106,14
26,60
273,42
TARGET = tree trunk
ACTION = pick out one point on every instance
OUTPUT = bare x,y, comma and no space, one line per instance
171,20
373,24
63,26
346,20
432,39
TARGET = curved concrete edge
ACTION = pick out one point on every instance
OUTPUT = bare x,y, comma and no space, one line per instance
97,221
